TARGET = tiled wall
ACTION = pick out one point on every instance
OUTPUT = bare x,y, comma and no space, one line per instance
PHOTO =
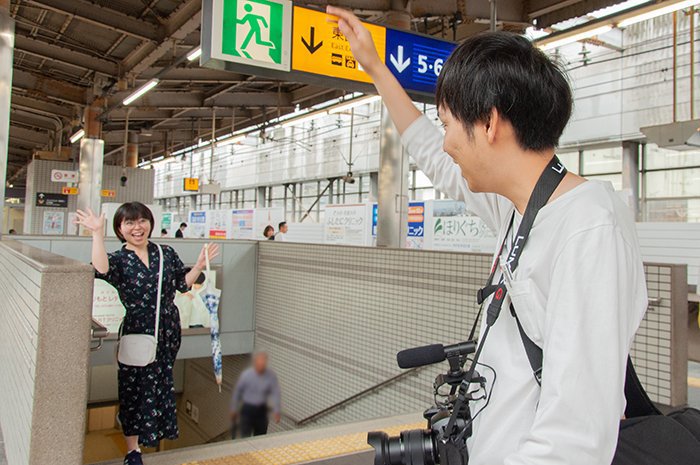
44,354
334,317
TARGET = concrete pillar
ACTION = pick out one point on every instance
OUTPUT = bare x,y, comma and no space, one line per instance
392,200
7,45
262,197
91,124
392,195
132,151
630,173
91,161
373,187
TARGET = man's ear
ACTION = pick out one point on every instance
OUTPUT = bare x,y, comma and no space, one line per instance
491,125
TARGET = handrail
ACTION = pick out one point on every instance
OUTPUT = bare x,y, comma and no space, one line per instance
347,400
98,331
337,405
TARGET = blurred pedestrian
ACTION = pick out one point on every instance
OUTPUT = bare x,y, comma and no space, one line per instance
269,233
256,387
282,231
181,230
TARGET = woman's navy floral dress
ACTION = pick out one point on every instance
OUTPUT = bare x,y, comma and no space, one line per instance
147,394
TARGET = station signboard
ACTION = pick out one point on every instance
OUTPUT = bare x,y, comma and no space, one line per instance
191,185
249,32
319,47
315,50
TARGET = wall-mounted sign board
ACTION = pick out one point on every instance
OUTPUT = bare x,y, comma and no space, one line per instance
191,185
320,53
44,199
64,176
69,190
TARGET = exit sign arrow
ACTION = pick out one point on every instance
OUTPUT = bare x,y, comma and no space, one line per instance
399,63
310,46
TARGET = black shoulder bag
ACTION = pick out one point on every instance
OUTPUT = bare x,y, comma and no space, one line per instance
647,437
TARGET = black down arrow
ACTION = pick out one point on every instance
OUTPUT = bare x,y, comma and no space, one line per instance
310,46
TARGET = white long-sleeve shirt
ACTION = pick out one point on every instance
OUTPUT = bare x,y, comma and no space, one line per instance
580,293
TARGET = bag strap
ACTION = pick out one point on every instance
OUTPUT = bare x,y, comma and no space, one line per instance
160,289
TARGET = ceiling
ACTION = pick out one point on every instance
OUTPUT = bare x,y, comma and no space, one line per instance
68,53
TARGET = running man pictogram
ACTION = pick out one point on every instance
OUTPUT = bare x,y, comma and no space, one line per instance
255,22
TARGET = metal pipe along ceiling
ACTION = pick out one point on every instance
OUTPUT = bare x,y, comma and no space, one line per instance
416,7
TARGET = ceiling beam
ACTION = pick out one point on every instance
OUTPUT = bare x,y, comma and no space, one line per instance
65,111
183,21
196,75
103,17
181,100
42,86
65,55
37,138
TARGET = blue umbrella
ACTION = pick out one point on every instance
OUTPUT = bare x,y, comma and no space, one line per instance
211,297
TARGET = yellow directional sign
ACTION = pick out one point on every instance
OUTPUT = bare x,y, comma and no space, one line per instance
109,193
191,185
319,47
69,190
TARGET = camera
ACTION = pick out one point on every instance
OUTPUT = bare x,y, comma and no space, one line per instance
444,441
123,180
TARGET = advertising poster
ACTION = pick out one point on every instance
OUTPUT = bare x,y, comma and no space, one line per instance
416,225
197,225
456,228
348,224
71,227
53,223
218,224
166,222
242,224
106,306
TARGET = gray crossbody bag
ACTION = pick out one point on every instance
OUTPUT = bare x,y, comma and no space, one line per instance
139,350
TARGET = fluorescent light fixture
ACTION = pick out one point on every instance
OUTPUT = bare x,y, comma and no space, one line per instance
140,91
658,10
194,54
77,136
354,103
569,39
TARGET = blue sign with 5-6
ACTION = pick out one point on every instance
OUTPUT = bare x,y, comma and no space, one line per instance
416,60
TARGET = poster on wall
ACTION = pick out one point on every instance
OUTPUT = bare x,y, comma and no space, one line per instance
348,224
107,309
53,223
218,224
242,224
71,227
267,216
456,228
416,225
197,225
166,222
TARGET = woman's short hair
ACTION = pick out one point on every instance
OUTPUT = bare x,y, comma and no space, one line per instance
268,229
131,211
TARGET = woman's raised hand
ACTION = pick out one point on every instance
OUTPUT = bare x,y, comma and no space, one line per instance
213,250
359,38
90,221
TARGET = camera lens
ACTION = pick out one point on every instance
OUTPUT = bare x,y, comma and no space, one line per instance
412,447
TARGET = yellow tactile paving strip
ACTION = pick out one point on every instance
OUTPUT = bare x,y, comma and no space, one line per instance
305,451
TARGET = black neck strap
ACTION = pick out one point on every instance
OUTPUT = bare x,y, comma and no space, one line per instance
548,182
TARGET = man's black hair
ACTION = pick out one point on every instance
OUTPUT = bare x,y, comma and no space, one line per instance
183,225
279,226
131,211
507,72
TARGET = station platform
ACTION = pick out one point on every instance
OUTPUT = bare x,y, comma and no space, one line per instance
335,445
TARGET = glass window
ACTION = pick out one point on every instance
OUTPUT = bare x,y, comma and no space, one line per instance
684,210
277,192
658,158
600,161
422,180
570,160
424,194
674,183
615,179
310,189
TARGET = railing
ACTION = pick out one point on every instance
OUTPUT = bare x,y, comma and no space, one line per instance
97,333
354,397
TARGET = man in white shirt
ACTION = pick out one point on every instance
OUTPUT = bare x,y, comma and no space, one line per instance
282,231
579,290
